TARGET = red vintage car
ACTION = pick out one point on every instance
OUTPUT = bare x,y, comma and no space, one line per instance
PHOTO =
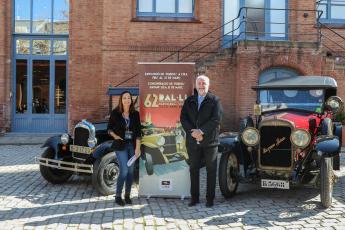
290,140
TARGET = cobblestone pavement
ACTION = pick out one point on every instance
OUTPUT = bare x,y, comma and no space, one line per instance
27,201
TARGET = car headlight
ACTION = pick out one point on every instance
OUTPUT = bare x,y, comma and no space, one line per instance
160,141
300,138
335,104
64,138
250,136
179,139
91,142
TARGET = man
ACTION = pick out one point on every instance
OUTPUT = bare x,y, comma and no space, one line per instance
200,117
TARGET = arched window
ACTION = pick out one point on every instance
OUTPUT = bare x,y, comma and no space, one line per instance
276,73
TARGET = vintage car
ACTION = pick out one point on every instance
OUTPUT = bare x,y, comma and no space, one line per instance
162,146
86,150
290,140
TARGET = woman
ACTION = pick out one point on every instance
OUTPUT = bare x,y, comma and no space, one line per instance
125,128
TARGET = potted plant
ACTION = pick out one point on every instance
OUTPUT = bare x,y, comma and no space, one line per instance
340,117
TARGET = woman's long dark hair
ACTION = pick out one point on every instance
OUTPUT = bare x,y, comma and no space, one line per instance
120,105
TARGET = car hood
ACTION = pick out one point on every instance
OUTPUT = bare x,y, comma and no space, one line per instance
299,119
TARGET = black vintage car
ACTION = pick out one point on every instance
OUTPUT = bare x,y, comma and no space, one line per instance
291,139
87,150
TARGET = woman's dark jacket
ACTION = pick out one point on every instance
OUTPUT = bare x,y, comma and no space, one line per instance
117,124
207,119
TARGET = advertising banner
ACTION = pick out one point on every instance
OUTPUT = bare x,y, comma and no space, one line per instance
163,87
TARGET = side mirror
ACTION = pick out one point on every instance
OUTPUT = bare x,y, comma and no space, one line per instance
335,104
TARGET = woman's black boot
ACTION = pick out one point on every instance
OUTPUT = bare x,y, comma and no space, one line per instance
119,201
128,199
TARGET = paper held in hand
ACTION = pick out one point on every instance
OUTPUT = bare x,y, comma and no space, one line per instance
131,160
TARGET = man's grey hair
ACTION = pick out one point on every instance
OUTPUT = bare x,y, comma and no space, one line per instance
203,77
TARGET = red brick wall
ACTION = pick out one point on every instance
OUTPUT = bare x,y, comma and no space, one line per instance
106,42
5,64
233,77
85,60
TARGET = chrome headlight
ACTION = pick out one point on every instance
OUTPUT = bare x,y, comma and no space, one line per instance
160,141
335,104
300,137
179,139
64,138
91,142
250,136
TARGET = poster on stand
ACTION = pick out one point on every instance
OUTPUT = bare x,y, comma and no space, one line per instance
163,168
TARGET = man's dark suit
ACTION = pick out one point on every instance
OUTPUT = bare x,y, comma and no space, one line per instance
207,119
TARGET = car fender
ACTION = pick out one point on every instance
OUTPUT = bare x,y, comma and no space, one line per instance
52,142
337,131
326,127
327,146
102,149
231,144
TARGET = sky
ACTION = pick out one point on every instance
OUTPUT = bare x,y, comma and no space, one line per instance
41,9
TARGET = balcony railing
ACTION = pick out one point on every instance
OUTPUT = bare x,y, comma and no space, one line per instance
291,25
287,25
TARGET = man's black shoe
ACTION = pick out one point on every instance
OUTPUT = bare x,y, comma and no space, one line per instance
209,203
128,200
119,201
193,203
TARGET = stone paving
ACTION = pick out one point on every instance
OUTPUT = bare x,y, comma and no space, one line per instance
27,201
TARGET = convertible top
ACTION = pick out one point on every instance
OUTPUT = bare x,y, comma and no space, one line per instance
323,82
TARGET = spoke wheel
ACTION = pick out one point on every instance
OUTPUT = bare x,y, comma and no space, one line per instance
228,174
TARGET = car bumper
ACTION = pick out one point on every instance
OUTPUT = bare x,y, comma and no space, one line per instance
64,165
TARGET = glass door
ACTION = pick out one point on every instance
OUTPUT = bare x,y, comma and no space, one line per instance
21,86
40,95
255,18
261,19
40,87
60,86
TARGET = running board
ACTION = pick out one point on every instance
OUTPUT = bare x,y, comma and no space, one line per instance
70,166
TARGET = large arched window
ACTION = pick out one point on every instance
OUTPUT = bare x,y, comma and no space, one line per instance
276,73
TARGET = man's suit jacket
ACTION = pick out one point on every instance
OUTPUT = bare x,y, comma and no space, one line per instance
207,119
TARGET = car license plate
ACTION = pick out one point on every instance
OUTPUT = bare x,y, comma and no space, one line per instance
80,149
281,184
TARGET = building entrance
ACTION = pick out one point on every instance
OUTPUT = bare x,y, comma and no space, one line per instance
40,95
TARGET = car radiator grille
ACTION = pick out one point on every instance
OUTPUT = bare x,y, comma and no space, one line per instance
275,146
170,140
81,135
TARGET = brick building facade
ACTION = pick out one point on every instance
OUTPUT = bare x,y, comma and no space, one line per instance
107,38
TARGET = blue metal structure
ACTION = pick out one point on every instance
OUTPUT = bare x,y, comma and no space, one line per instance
333,11
24,22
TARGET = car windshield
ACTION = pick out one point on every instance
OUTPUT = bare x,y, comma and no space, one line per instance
276,99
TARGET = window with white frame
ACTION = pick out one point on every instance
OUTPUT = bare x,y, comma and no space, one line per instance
332,10
165,8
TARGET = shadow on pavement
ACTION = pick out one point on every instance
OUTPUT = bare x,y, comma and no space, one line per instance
40,203
253,207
